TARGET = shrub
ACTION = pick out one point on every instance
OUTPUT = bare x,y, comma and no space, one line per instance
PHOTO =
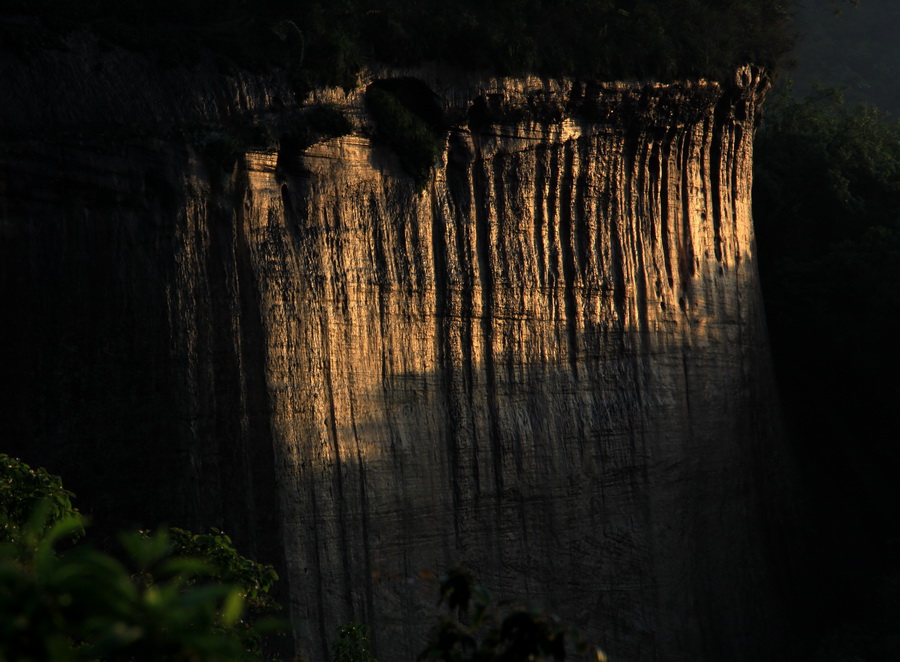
409,136
217,551
327,43
305,127
352,644
175,596
22,489
486,631
85,605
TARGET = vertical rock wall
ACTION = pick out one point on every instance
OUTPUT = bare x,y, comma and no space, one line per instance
550,363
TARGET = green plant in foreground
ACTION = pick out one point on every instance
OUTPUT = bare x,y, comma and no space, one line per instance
498,632
352,644
22,489
185,597
174,596
254,580
83,604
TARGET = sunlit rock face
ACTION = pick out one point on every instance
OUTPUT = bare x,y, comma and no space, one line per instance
549,363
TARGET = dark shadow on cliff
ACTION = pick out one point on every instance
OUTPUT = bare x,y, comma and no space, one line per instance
94,387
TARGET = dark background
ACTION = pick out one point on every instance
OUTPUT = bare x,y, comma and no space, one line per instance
827,211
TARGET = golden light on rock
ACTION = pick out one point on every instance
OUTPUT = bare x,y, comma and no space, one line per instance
543,362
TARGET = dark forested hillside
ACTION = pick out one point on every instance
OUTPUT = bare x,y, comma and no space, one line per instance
327,42
827,214
853,47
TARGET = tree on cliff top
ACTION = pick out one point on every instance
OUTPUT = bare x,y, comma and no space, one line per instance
330,41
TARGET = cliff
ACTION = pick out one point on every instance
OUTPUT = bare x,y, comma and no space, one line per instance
550,363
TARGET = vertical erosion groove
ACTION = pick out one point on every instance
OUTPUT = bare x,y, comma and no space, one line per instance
616,254
316,514
455,176
364,523
655,196
540,221
338,471
483,175
643,230
686,241
567,182
258,436
719,168
665,156
552,222
461,183
740,158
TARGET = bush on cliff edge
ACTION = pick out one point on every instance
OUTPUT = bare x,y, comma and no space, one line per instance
409,136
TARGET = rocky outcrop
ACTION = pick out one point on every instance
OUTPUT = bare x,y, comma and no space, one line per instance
550,363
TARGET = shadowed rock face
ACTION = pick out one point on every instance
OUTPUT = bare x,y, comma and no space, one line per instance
550,364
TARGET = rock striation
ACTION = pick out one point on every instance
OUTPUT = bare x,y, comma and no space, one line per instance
549,363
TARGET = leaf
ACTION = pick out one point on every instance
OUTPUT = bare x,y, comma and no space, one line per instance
232,609
145,551
185,567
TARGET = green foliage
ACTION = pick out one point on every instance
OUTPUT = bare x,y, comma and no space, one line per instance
352,644
504,632
302,128
415,144
178,596
216,550
290,131
22,489
322,43
820,162
590,38
85,605
185,597
326,120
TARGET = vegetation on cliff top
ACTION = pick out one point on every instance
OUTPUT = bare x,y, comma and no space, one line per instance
327,42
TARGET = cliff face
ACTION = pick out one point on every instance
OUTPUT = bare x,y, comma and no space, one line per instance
550,363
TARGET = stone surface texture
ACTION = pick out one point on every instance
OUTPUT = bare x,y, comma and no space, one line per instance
550,363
